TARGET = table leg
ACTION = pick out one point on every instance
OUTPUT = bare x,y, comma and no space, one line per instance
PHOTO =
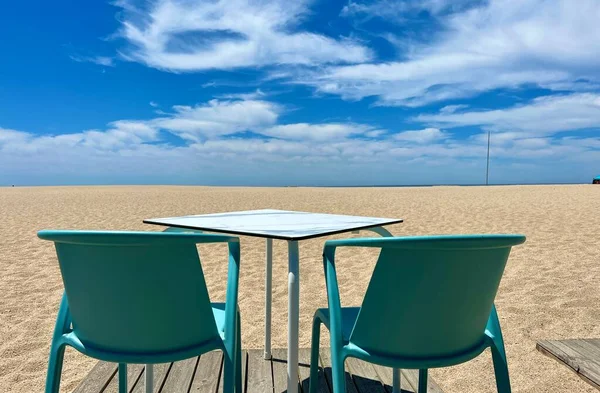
293,315
149,378
268,297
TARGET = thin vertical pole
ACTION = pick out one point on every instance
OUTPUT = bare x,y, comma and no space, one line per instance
149,372
487,169
396,380
293,315
268,297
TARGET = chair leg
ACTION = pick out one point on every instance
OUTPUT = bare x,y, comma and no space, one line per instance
228,371
494,331
396,380
55,363
423,381
501,370
122,378
238,358
338,372
57,348
314,356
230,361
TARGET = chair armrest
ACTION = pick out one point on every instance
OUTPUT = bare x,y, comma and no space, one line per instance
442,241
376,242
182,230
130,237
201,238
333,296
231,297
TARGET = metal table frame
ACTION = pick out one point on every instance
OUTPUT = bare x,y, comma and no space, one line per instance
293,294
294,307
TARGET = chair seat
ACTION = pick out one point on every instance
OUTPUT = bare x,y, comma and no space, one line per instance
218,310
349,315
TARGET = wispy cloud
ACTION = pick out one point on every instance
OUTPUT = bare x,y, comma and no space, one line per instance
453,108
427,135
100,60
543,115
254,95
191,36
494,45
401,11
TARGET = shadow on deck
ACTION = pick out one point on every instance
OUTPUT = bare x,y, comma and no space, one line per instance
203,374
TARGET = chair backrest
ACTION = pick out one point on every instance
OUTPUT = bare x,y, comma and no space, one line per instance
135,292
432,296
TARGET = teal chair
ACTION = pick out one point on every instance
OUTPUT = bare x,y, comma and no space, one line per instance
141,297
430,303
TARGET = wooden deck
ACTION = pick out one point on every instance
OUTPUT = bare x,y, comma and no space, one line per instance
581,356
203,374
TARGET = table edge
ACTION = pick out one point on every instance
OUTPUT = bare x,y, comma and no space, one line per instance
289,238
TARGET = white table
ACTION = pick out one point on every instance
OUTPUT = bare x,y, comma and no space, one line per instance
291,226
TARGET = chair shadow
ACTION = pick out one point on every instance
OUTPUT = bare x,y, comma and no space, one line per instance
354,383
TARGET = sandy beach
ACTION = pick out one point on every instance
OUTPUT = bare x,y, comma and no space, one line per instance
549,291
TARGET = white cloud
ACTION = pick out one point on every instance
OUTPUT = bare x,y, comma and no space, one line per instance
154,104
545,115
498,44
100,60
255,95
452,108
226,34
332,153
427,135
400,11
11,136
317,132
218,118
119,135
375,133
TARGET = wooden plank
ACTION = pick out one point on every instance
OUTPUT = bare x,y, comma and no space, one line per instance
589,348
134,371
259,375
325,357
279,367
205,374
97,380
364,375
304,372
180,376
208,372
580,356
159,376
589,355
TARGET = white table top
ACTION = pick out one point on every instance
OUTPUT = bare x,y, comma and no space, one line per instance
275,224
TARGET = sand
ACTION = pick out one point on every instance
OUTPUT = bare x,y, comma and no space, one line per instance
550,289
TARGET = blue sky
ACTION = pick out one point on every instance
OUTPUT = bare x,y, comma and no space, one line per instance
299,93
